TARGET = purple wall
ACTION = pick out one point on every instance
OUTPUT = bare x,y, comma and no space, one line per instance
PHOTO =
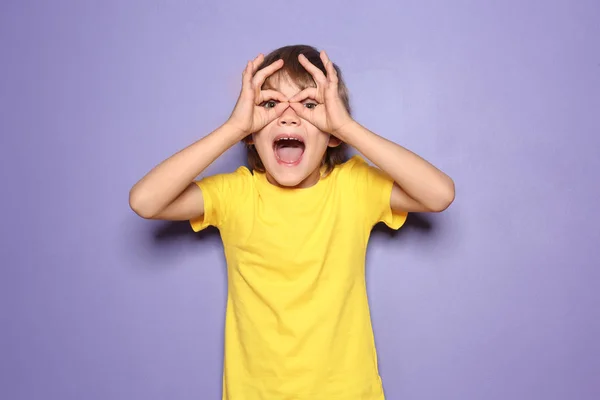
494,299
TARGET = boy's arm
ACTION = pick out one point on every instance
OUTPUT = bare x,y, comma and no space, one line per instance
168,191
419,186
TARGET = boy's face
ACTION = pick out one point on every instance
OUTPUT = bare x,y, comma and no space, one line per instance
291,148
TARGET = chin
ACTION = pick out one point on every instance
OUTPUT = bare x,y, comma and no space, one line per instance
289,176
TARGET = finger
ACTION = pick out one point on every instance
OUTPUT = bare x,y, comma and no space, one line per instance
324,57
257,61
247,75
315,72
250,69
263,74
332,75
271,95
308,93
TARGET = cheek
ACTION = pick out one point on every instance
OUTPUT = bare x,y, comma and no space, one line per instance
262,139
265,130
320,139
262,144
259,137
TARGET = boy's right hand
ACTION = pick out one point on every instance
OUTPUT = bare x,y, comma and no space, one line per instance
250,113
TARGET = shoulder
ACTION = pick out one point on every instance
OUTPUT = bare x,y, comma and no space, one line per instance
236,180
349,167
358,174
356,161
239,173
356,168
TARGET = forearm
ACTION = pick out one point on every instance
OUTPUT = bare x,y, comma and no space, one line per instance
418,178
165,182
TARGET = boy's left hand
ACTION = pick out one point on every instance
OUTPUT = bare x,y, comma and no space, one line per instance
327,112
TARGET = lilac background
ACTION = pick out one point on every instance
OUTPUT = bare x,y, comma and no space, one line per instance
496,298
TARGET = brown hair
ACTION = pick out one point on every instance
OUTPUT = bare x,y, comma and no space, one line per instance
293,70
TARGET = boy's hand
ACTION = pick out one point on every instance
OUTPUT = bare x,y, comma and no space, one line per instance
321,106
250,114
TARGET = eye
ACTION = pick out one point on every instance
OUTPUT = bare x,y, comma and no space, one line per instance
269,104
310,105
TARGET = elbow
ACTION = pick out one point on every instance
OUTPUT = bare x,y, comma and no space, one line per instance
140,205
444,198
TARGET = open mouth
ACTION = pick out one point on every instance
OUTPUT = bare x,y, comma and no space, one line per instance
288,149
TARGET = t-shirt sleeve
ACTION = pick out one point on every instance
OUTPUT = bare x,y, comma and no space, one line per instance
221,194
373,189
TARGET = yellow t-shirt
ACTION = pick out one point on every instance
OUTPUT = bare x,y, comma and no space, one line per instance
297,322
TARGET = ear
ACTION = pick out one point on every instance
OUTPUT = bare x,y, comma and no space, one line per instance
334,141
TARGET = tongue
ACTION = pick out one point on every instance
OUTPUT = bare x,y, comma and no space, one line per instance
289,154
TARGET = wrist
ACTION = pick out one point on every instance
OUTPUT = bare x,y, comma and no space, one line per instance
345,131
234,130
230,133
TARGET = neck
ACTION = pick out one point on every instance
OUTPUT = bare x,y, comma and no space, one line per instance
307,182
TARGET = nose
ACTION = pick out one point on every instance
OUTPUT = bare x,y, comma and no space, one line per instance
289,118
